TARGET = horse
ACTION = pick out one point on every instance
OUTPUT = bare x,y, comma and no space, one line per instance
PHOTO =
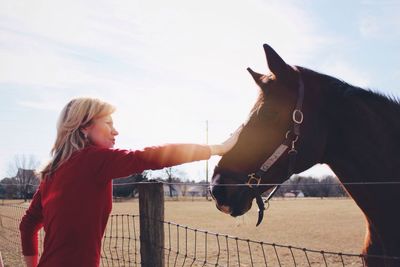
303,117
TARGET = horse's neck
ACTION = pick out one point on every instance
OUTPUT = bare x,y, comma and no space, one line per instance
361,146
360,140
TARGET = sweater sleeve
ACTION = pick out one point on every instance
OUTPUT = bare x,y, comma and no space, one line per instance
30,224
116,163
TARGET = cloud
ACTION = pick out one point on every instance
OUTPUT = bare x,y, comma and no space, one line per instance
182,37
39,105
135,47
167,66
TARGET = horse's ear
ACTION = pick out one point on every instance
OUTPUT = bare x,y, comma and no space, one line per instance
258,78
275,63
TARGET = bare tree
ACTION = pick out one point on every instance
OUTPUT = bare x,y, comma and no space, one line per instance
184,189
173,175
22,173
169,172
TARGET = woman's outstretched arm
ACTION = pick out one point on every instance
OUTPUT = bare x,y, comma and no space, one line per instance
116,163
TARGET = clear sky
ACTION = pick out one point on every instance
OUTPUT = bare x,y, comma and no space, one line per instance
168,66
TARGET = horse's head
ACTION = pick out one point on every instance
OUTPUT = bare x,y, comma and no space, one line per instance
271,123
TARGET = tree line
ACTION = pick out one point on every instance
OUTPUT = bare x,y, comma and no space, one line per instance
327,186
23,183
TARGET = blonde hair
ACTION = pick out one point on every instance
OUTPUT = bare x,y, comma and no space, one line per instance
76,115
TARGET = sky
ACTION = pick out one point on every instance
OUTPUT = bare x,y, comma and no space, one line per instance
170,66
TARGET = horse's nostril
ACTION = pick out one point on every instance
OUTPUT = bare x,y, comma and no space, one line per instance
224,209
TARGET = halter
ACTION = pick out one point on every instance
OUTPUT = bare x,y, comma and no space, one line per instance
291,137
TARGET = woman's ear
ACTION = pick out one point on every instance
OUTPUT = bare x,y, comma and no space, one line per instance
84,131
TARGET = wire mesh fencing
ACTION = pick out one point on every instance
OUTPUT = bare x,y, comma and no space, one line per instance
186,246
120,244
121,241
183,246
10,244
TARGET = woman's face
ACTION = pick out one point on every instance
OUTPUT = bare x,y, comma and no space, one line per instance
101,132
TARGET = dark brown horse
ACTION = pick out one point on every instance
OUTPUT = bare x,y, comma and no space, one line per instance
319,119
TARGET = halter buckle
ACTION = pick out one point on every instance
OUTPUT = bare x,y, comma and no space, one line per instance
254,177
297,116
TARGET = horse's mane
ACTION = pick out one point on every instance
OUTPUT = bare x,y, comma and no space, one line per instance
348,89
387,105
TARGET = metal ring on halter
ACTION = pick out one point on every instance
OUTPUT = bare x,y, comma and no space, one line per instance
287,135
300,114
252,177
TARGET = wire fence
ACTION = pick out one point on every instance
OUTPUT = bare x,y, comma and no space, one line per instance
121,242
298,186
207,185
193,247
183,246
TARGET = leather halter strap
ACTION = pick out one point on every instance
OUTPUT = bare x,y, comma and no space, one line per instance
297,119
254,179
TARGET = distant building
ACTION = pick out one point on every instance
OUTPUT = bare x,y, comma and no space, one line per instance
23,185
195,191
174,188
294,193
188,190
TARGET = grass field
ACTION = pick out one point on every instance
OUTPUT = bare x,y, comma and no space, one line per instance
323,224
320,224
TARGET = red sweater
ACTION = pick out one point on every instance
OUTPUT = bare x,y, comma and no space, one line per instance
74,205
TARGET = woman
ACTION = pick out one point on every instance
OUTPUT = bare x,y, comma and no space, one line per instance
74,198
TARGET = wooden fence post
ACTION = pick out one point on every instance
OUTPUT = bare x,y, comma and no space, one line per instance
151,210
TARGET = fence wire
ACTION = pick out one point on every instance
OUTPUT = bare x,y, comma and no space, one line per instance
121,242
207,185
184,246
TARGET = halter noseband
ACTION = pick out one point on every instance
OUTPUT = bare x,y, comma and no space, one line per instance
291,137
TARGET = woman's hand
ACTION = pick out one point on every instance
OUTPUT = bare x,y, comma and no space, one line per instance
227,145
